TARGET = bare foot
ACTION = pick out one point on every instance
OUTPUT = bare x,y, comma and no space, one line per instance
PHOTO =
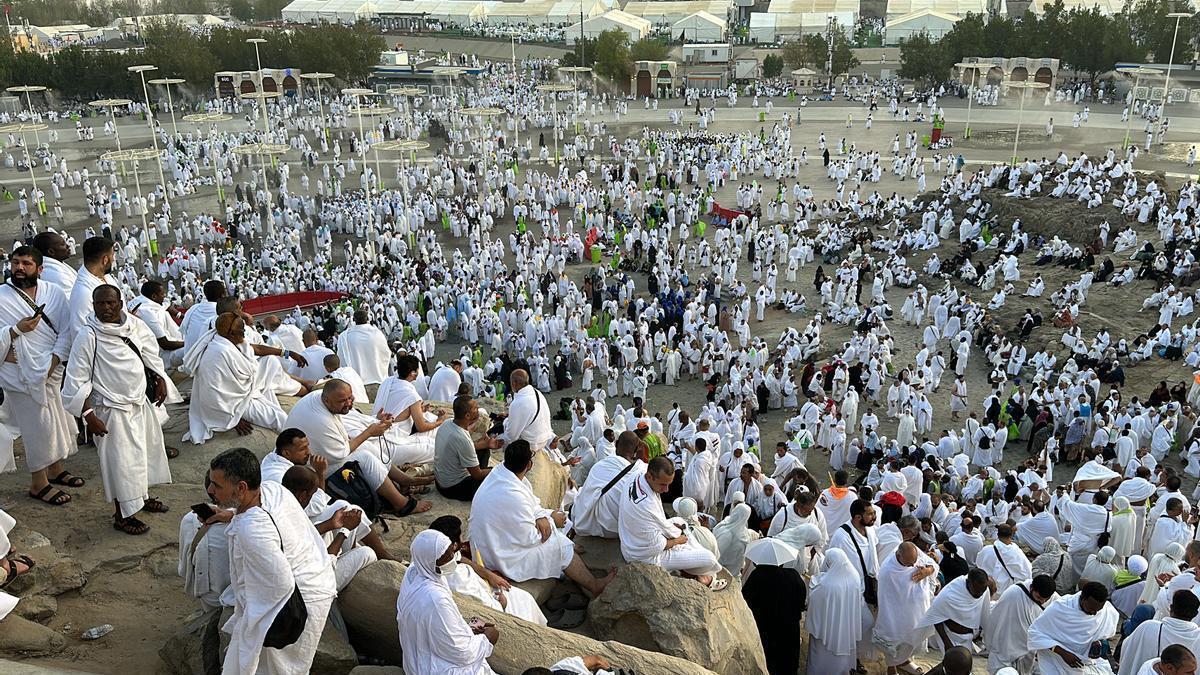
705,579
422,506
600,584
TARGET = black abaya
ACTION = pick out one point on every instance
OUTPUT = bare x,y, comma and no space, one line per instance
777,598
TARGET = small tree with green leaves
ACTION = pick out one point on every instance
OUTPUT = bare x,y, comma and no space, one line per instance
772,65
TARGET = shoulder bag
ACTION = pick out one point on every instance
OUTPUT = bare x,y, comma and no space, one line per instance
288,624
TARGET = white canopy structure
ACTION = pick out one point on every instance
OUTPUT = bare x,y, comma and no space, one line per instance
461,12
328,11
636,27
897,9
669,12
541,12
935,24
700,27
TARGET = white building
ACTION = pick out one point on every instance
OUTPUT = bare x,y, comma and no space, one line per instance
636,27
934,23
902,8
666,13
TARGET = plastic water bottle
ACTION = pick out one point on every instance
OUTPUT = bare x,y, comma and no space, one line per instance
97,632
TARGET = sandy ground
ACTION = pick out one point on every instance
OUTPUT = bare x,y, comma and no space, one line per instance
131,580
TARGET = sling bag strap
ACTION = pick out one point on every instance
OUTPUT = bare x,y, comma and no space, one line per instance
32,305
1000,559
861,561
1061,560
616,479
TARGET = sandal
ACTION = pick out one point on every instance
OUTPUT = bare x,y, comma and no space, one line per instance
11,572
153,505
66,479
718,585
910,669
59,498
172,453
130,525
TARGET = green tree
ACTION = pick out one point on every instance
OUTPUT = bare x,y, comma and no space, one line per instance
613,60
923,58
807,52
588,48
649,49
772,65
1154,31
844,59
242,10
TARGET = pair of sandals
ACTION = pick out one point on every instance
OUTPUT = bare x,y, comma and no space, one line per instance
10,568
132,525
54,497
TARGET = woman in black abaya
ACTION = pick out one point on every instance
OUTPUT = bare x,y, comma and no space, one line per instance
777,597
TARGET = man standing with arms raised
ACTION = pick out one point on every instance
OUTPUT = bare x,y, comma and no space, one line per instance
274,551
34,316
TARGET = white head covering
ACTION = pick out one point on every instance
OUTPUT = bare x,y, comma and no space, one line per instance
732,535
427,547
1137,565
835,605
685,507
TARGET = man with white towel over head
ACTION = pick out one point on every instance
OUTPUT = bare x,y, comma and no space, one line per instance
364,348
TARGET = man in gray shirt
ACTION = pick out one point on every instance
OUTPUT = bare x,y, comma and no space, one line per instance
459,463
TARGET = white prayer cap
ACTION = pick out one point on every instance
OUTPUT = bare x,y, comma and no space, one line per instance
1007,671
1137,565
738,497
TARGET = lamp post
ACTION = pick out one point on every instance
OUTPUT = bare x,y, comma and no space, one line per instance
1023,85
358,93
575,71
258,60
135,156
1138,73
201,118
141,71
167,82
263,150
554,90
29,90
972,68
22,128
1162,113
316,79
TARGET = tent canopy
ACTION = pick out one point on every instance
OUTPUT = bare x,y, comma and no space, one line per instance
700,27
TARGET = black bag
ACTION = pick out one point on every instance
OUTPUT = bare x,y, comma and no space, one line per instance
348,484
870,583
288,624
1102,540
152,377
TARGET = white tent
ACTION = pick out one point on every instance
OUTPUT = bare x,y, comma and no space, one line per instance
328,11
636,27
700,27
668,12
762,27
935,24
897,9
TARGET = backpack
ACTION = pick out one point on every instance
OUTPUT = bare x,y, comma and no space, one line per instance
348,484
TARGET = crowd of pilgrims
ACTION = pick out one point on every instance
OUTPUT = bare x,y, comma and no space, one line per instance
924,539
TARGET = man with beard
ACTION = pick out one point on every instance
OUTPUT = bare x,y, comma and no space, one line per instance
98,257
106,386
34,315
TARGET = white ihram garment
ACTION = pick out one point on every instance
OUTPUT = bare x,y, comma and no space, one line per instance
519,603
400,444
327,437
226,389
1065,625
105,372
273,549
503,530
833,619
32,398
364,348
595,515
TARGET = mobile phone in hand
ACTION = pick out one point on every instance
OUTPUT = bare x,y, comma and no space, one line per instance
203,511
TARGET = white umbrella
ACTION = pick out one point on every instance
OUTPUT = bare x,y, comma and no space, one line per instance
771,551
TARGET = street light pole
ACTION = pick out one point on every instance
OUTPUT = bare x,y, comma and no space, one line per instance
262,101
1162,113
1022,86
1137,72
141,71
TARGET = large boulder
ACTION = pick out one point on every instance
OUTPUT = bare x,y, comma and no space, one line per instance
195,648
368,605
549,479
25,638
648,608
15,668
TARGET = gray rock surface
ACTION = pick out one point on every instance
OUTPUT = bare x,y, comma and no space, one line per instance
14,668
20,636
39,608
195,649
648,608
369,607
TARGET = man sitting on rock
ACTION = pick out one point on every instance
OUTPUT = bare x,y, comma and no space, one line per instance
647,536
319,416
343,527
598,505
513,534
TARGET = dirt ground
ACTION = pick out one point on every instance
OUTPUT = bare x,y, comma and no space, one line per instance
131,581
